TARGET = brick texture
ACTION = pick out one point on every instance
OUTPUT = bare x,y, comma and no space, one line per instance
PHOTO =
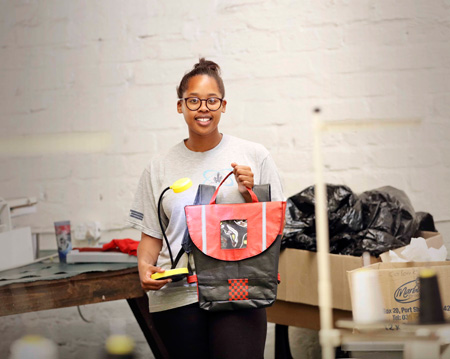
112,66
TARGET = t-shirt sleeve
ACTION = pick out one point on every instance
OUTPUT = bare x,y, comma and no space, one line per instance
269,174
143,212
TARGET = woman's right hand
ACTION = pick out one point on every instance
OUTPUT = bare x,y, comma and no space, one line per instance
147,253
147,283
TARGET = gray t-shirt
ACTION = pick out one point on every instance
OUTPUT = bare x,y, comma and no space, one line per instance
208,167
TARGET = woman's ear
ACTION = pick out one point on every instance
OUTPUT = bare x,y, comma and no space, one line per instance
179,106
224,106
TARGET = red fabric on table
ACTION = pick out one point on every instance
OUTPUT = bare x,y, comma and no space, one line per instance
125,245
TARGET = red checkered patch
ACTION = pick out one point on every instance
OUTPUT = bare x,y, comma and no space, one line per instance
238,289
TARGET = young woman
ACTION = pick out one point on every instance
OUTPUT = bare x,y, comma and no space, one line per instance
206,156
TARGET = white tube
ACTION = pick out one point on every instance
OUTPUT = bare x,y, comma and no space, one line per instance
367,301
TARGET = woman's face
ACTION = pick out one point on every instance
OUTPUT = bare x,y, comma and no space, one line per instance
202,122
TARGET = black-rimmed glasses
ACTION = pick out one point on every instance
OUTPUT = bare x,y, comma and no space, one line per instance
194,103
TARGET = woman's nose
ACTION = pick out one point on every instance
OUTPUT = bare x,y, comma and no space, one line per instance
203,106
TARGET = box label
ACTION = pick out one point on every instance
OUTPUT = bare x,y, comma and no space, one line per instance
407,292
401,313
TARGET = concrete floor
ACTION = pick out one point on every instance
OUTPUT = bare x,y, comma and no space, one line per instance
77,339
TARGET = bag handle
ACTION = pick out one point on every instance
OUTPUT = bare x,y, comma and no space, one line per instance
252,194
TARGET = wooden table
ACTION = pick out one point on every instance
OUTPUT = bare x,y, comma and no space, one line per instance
108,285
81,289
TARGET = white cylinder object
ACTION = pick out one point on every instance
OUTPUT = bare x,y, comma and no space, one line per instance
367,301
34,346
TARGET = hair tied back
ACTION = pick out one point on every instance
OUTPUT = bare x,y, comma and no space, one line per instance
203,67
206,64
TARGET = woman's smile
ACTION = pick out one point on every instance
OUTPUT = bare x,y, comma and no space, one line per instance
204,120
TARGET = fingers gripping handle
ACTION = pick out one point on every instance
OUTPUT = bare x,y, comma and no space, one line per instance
213,199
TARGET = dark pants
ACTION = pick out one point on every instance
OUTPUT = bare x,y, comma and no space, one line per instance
191,332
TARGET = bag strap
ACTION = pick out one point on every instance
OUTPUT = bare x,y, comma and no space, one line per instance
252,194
262,191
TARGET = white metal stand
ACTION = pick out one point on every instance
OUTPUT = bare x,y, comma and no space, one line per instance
329,337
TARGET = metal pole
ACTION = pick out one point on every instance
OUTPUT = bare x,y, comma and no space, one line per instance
329,337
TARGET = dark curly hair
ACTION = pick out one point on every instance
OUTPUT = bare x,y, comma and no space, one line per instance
204,67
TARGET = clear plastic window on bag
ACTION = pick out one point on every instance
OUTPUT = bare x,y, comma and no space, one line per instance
233,234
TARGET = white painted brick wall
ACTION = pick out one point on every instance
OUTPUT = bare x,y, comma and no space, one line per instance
112,66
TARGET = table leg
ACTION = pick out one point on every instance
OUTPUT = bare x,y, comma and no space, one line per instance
139,307
282,348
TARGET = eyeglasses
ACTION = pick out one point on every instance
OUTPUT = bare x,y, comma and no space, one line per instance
194,103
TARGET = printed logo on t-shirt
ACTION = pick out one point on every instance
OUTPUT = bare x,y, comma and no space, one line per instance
214,177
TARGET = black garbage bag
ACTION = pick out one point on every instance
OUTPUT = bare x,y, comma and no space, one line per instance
426,222
375,221
389,222
300,229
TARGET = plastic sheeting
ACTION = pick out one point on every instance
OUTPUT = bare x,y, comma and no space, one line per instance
374,221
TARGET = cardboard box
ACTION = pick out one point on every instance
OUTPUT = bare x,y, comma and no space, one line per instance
433,239
299,276
400,288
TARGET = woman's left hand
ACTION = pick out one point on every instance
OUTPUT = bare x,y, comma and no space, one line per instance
244,179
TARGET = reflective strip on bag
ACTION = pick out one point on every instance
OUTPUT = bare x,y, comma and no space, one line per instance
204,250
264,232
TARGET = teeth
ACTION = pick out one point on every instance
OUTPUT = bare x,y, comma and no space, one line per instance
203,119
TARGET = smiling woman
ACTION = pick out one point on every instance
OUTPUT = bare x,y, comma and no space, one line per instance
206,157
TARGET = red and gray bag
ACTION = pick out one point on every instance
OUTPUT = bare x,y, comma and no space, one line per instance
235,248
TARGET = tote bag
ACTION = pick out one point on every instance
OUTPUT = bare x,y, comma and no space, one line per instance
236,249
